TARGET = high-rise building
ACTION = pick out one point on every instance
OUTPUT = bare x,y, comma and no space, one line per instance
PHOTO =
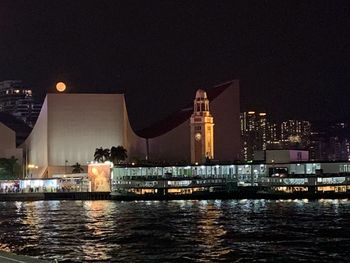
262,130
18,101
271,132
259,133
296,132
318,147
254,132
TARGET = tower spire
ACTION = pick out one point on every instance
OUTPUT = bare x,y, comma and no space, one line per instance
202,129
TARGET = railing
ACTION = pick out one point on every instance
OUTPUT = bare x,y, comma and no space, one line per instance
311,181
168,183
43,190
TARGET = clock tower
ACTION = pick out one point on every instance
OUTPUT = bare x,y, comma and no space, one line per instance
202,129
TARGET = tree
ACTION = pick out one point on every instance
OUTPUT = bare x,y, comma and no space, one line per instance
9,168
118,154
101,155
77,168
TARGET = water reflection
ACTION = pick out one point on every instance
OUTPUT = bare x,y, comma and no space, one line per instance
192,231
211,231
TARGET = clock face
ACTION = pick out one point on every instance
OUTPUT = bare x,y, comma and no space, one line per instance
197,136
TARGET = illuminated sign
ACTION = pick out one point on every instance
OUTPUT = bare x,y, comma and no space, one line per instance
99,176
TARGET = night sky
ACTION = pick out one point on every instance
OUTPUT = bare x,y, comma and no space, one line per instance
292,58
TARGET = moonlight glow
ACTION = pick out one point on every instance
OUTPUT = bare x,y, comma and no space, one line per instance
60,87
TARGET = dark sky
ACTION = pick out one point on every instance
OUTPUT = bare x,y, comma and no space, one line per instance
292,57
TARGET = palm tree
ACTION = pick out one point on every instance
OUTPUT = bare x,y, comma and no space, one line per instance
77,168
118,154
9,168
101,155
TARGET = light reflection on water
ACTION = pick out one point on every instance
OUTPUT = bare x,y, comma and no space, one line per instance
169,231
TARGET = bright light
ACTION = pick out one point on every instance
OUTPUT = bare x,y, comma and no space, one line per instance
60,87
109,163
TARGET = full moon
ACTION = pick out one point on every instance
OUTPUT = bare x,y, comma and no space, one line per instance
60,86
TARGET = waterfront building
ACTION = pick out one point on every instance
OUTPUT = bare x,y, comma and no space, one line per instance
202,130
281,177
71,126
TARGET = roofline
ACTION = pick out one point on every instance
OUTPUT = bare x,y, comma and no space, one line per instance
179,117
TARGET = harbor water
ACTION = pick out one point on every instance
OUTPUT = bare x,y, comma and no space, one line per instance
178,231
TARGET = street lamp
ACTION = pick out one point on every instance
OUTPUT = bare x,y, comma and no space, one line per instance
30,168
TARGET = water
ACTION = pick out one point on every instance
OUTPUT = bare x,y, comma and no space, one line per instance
178,231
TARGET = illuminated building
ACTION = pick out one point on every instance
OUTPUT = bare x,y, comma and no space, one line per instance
71,126
255,132
202,129
17,100
330,142
287,177
296,132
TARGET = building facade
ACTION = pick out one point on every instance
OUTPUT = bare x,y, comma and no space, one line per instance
202,130
17,100
256,132
71,126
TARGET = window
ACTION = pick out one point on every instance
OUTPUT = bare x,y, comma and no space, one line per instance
299,156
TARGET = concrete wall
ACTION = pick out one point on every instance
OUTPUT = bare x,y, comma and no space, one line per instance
173,145
227,137
71,126
35,146
80,123
225,108
135,145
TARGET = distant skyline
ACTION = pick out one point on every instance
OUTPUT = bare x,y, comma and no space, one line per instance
292,58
